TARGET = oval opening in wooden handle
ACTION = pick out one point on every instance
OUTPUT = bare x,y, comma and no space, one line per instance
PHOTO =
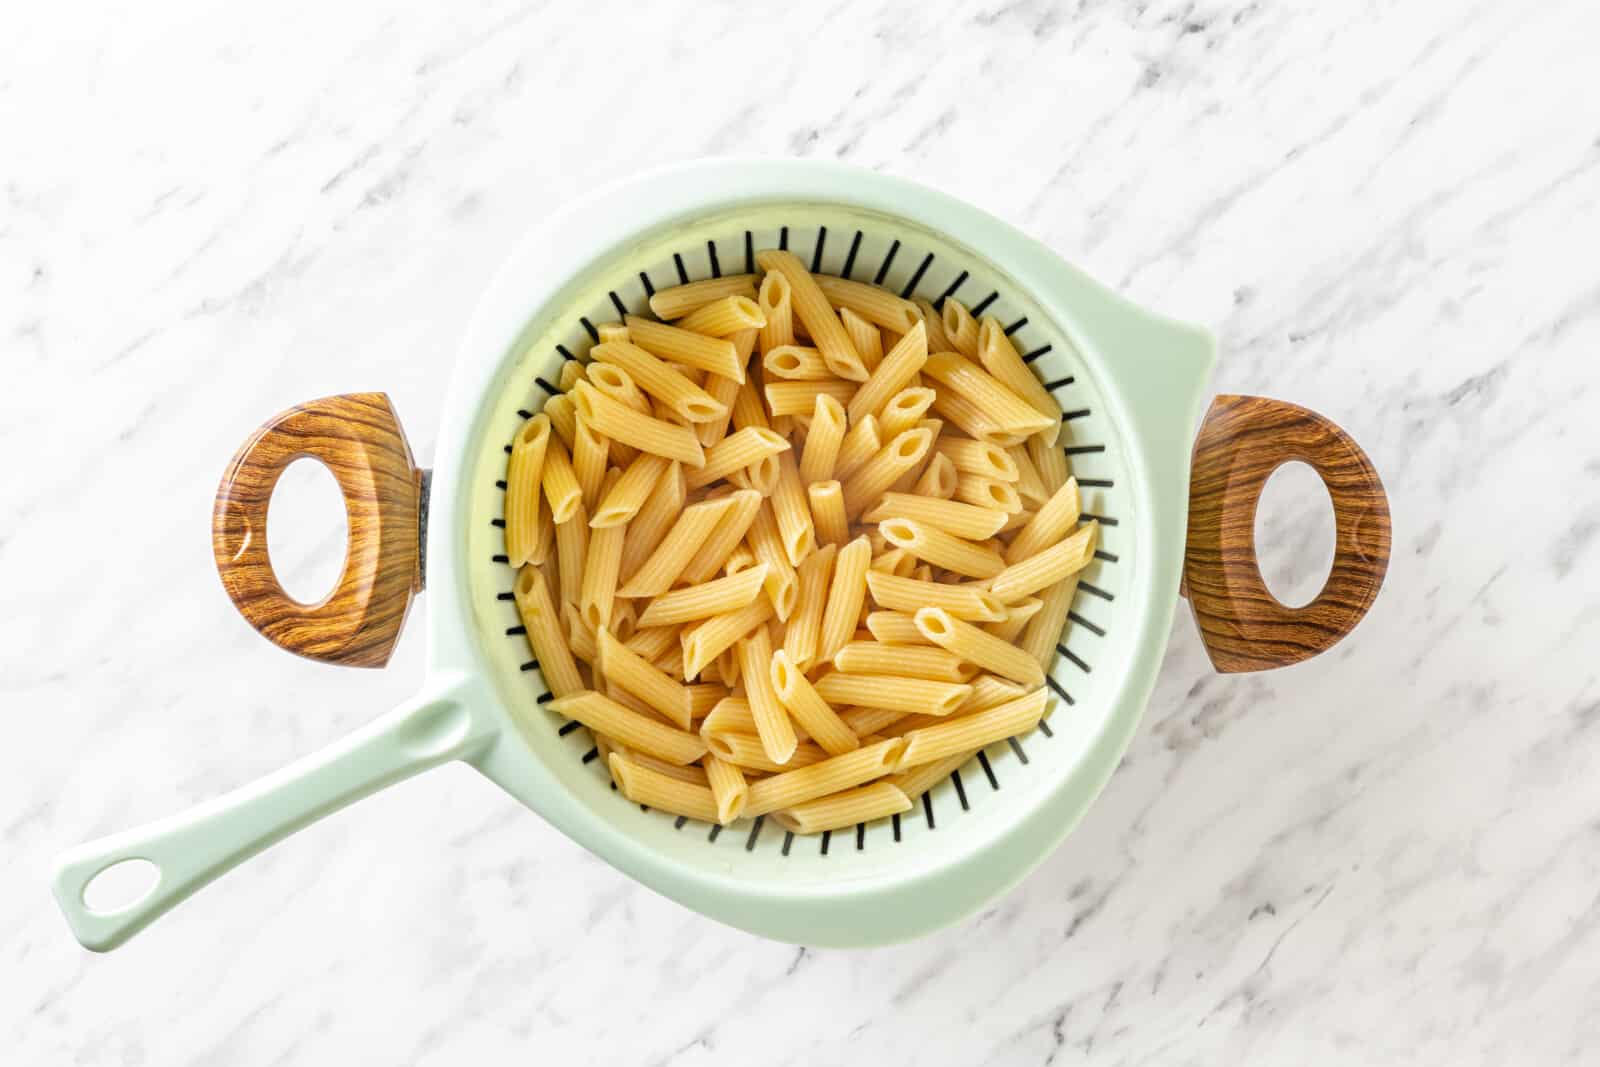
1243,626
358,438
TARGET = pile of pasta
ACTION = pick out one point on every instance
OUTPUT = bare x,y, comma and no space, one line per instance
795,547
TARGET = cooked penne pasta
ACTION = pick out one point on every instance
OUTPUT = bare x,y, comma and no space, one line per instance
871,302
616,383
865,337
798,398
962,520
934,546
572,546
812,308
724,316
933,322
861,442
836,773
777,311
1053,521
744,750
523,477
728,788
714,354
900,364
914,661
716,597
653,520
847,591
657,379
805,622
680,300
988,691
590,454
826,500
651,641
896,692
647,434
938,479
580,635
1030,487
718,548
623,667
909,595
1000,405
1044,630
976,457
1051,462
600,713
611,332
777,733
736,452
724,391
703,643
1017,618
795,363
624,499
766,542
918,780
653,789
968,732
987,493
895,628
598,589
1004,363
800,698
874,477
792,509
960,329
563,419
822,440
847,808
694,525
866,722
963,412
1061,559
542,621
904,410
973,645
561,487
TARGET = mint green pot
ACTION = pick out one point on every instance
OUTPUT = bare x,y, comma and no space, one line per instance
1137,381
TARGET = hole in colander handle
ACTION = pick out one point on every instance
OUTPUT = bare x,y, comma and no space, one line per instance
358,437
1243,626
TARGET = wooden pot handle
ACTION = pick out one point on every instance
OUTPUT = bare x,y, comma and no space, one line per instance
358,438
1243,626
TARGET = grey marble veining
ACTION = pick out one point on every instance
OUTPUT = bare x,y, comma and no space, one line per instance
1387,211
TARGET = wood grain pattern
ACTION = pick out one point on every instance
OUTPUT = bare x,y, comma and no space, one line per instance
358,438
1244,627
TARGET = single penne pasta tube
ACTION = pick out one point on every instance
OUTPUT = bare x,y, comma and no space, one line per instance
600,713
960,328
973,645
987,493
777,733
777,310
847,591
893,561
953,517
934,546
795,363
1017,617
651,523
865,337
866,722
623,667
976,457
826,500
800,699
544,535
904,410
590,458
801,636
1000,405
727,667
744,750
598,589
822,440
651,641
714,354
731,714
692,773
873,303
680,300
703,643
611,332
572,548
908,594
647,434
1030,487
716,597
1044,630
624,619
832,775
968,732
644,785
861,442
622,696
724,316
1004,363
964,413
898,692
812,308
918,780
704,696
748,409
742,558
624,499
766,541
792,510
563,419
722,391
523,480
1028,576
933,322
912,661
717,548
848,807
1051,463
874,477
1053,521
895,628
658,380
694,525
615,382
561,489
580,635
900,364
735,452
938,479
571,373
989,691
542,621
728,788
798,398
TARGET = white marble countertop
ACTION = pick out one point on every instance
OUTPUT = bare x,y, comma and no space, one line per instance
1387,211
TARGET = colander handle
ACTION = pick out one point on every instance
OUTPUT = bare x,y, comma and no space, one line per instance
358,438
1243,626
